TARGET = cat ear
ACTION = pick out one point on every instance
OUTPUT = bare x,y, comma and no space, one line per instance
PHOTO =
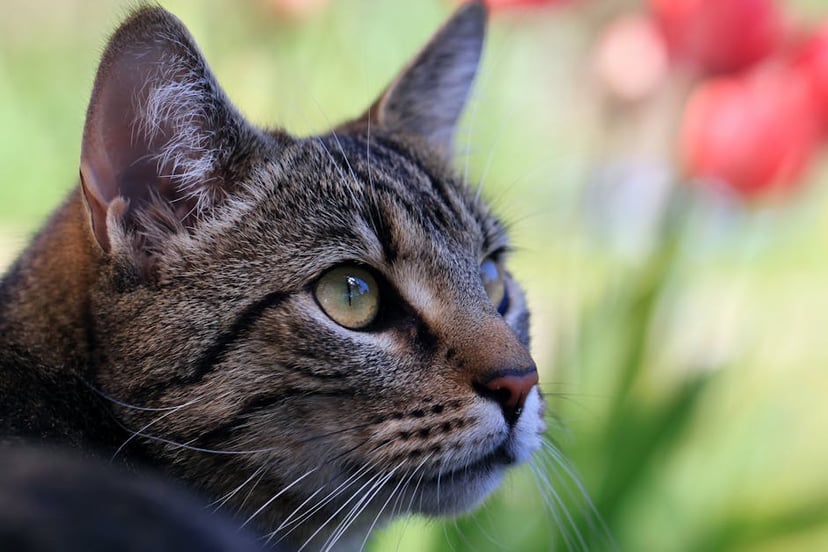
158,127
428,96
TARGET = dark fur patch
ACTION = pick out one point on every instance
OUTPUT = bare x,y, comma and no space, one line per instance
214,354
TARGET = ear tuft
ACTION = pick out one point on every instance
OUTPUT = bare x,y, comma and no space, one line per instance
176,118
158,126
428,96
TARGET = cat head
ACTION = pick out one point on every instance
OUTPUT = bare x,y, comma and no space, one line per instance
309,325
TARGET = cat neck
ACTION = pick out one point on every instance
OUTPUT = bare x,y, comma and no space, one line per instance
45,296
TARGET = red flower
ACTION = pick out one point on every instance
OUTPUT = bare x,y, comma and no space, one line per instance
811,59
717,36
756,134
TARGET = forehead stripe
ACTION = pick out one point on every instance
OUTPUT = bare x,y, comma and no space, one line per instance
419,192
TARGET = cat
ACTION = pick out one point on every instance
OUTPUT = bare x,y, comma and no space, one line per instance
319,333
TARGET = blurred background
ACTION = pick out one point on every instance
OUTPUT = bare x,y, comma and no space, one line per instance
661,165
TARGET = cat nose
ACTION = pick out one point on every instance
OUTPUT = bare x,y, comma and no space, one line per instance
509,389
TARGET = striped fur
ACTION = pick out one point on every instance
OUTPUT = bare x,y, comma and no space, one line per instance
180,317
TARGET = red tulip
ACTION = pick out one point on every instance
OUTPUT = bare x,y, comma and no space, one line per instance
755,134
811,59
717,36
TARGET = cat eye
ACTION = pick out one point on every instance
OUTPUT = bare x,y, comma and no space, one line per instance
349,295
491,273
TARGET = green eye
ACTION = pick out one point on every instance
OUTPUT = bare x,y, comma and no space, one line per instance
349,295
492,276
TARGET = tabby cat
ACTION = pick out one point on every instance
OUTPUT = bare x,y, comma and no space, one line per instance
317,333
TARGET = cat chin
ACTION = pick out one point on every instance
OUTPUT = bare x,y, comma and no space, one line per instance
460,494
464,489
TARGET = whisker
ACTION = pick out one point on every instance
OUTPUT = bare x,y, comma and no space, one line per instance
368,152
342,507
354,178
221,501
485,532
385,505
200,449
590,513
492,150
140,432
318,140
296,510
414,493
446,535
319,505
277,495
250,492
194,448
551,508
395,510
439,479
552,501
333,494
359,508
462,535
127,405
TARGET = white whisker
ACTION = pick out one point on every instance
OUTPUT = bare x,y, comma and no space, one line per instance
342,507
403,480
590,513
490,157
277,495
554,505
216,504
140,432
131,406
395,510
296,510
210,451
250,492
358,508
448,540
342,487
354,178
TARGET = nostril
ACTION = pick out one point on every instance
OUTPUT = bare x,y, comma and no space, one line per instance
509,389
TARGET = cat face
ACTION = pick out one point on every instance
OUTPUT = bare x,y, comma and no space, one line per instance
312,328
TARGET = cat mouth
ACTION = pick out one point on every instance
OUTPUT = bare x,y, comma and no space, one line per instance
499,458
491,464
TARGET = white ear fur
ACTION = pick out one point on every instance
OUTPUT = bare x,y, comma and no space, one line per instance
187,156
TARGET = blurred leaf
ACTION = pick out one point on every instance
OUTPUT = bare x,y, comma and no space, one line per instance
640,438
743,533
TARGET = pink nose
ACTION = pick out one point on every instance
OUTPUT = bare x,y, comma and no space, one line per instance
509,389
